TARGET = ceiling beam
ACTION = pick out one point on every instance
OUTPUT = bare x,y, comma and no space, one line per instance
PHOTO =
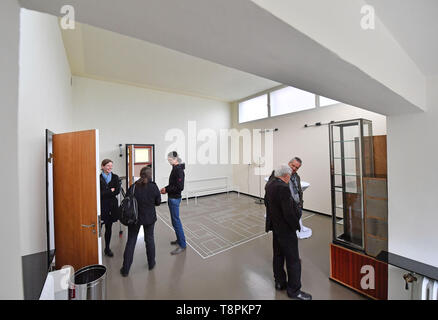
242,35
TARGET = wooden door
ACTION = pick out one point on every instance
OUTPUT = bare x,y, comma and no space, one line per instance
76,199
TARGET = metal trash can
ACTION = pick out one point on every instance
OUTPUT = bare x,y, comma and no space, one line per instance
88,283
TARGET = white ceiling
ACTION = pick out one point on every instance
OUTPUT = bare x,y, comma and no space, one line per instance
101,54
414,25
233,33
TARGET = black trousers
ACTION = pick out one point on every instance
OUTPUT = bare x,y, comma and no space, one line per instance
108,229
286,249
133,230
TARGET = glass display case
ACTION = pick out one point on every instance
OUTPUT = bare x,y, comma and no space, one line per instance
351,159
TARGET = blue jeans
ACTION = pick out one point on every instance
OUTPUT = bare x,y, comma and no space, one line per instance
176,222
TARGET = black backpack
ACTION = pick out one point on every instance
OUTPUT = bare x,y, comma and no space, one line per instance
128,209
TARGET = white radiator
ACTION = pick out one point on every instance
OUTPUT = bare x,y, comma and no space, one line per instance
429,289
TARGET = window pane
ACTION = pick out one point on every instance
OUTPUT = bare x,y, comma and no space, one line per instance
291,99
141,155
323,101
253,109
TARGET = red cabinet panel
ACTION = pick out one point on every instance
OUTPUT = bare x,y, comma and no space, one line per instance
352,268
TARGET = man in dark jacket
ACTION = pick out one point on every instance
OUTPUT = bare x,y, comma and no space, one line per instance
282,218
268,223
295,184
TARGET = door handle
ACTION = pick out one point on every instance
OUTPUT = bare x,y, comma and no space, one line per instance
88,225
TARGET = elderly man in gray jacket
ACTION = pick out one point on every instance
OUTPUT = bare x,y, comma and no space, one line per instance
295,184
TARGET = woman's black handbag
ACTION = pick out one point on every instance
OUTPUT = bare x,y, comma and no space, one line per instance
128,209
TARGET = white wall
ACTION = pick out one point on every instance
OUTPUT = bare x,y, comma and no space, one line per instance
10,267
413,184
132,115
310,144
45,101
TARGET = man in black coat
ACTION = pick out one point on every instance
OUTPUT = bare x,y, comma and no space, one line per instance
282,218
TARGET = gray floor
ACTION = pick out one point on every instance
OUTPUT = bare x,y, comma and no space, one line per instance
243,271
218,224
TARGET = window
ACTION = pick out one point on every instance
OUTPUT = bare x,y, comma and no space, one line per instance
324,102
289,100
142,155
253,109
281,101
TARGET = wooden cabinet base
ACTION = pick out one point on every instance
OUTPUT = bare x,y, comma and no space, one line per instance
359,272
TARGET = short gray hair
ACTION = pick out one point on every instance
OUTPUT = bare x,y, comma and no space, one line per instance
296,159
283,170
174,155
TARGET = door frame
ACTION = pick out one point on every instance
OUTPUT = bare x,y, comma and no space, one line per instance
49,186
98,219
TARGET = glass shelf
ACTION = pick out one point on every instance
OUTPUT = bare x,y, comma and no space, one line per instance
345,191
350,160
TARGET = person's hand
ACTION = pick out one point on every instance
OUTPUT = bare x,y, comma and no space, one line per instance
163,191
113,189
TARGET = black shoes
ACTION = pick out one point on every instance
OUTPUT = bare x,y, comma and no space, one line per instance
301,296
123,272
173,243
151,266
279,286
109,253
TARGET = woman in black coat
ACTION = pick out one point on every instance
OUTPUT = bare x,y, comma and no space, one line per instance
148,197
109,189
